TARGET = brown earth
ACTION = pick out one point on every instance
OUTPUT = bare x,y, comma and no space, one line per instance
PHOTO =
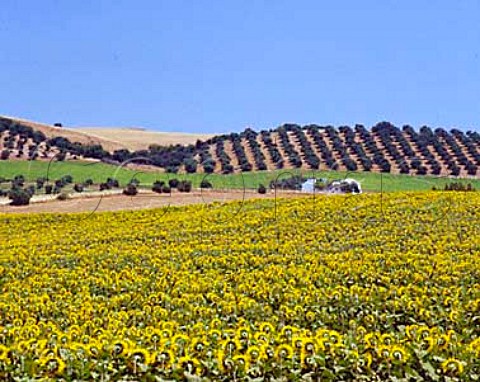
51,131
138,139
114,138
141,201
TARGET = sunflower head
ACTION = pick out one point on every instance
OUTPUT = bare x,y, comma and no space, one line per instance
53,365
164,358
427,344
309,346
297,343
140,356
199,345
386,339
283,352
4,353
267,327
384,351
253,354
243,333
452,367
240,362
443,341
310,316
232,345
190,364
308,361
120,348
225,363
261,337
287,331
398,354
267,353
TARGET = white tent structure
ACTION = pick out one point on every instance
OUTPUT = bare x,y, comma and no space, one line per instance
309,185
353,182
336,186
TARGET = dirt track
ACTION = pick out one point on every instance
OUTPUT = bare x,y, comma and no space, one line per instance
140,201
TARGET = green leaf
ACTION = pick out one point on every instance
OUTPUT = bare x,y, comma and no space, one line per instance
427,366
411,373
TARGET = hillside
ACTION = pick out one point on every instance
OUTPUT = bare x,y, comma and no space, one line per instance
382,148
139,139
110,138
51,131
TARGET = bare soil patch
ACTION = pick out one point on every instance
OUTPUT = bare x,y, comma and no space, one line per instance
144,200
137,139
51,131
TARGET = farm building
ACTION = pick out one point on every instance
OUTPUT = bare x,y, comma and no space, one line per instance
345,186
309,185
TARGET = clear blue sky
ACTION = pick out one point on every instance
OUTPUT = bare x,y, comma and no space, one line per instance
217,66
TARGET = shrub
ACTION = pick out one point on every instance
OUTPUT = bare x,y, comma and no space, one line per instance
172,169
78,187
205,184
262,189
5,154
134,181
166,189
292,183
18,181
61,156
227,169
112,183
62,196
67,179
48,189
457,186
472,170
19,197
209,168
184,186
88,182
455,170
422,170
31,190
40,182
130,190
173,183
191,166
157,186
246,167
261,166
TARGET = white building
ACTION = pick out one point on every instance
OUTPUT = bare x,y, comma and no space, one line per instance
336,186
309,185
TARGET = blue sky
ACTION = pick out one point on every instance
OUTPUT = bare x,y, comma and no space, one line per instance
218,66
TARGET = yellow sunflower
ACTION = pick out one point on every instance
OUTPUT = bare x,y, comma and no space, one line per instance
452,366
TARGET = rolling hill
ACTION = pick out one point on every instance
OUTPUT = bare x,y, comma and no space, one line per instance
134,139
382,148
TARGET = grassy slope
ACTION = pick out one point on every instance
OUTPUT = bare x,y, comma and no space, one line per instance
99,172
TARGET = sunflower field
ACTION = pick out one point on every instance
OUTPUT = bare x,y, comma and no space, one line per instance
368,287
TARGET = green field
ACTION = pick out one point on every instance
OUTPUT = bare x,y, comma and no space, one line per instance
99,172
